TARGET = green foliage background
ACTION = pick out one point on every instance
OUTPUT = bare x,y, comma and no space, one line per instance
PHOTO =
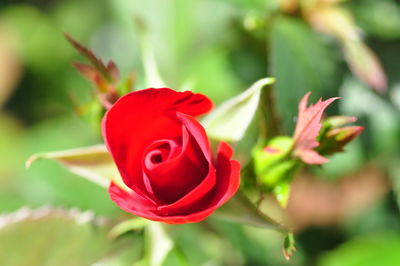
217,48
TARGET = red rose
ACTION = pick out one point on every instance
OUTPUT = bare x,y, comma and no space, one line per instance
164,157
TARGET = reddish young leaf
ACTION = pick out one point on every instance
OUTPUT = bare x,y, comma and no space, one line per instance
307,129
113,70
97,63
103,77
93,76
87,71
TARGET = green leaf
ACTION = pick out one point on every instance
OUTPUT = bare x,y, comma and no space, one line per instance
53,237
93,163
367,250
230,120
300,62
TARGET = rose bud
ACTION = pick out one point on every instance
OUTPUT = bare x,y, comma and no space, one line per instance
334,140
163,155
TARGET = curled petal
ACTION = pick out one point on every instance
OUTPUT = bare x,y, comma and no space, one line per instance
130,126
228,181
164,157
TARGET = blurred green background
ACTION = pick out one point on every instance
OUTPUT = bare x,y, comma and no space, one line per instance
346,212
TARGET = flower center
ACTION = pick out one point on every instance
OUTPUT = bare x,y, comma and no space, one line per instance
159,152
156,158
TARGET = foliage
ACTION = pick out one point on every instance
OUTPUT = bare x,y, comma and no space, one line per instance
218,48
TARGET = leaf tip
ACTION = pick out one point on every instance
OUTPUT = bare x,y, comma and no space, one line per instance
70,39
31,160
268,81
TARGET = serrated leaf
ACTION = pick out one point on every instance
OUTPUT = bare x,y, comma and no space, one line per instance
230,120
87,71
49,236
307,130
91,74
103,77
93,163
97,62
113,70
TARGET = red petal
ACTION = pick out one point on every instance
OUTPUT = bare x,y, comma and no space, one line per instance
228,175
132,202
139,118
175,178
228,181
208,179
